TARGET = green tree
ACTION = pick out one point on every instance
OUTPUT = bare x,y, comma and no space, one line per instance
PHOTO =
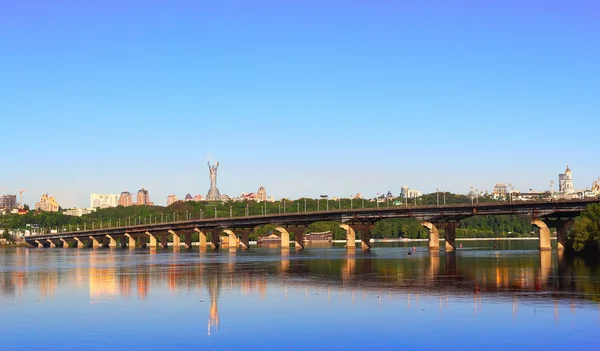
586,229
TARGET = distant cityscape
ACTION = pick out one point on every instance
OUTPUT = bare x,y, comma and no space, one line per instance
501,192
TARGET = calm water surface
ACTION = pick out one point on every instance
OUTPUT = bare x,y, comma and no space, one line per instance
476,298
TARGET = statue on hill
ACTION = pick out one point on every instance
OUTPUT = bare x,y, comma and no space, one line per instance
213,192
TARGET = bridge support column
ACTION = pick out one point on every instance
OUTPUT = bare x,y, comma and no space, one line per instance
434,235
201,238
544,234
111,241
130,241
245,239
350,237
39,244
188,240
450,235
152,241
299,242
285,237
78,243
231,239
164,241
176,240
214,238
65,244
95,243
52,244
562,227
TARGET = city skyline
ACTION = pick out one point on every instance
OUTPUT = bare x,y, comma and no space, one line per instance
301,98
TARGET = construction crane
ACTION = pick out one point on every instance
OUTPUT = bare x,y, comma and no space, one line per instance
21,198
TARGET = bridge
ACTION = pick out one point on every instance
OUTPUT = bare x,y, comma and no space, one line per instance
543,214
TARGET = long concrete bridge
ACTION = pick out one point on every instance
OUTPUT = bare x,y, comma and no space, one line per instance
544,215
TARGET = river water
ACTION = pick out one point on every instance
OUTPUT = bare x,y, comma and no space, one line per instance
321,298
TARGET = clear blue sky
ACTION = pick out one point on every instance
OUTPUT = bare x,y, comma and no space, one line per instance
302,97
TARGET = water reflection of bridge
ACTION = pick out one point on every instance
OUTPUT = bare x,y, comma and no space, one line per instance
544,275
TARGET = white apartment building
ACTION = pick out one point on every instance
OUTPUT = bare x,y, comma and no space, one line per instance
104,200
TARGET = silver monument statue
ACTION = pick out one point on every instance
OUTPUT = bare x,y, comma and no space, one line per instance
213,192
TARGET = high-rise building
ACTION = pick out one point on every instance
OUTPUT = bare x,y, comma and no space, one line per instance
261,194
104,200
404,192
171,199
143,197
125,199
47,203
8,202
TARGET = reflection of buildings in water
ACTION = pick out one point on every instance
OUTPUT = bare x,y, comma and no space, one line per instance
125,282
47,284
103,281
142,283
262,289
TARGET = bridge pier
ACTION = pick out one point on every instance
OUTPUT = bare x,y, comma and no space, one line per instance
176,240
201,238
350,236
152,241
95,243
130,241
214,238
231,239
187,243
450,235
39,244
52,244
111,242
285,237
544,234
65,244
299,242
164,241
434,235
562,228
78,243
244,238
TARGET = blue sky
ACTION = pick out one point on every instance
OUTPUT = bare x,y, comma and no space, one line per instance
302,97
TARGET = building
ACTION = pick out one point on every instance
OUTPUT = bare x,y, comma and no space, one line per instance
596,187
407,193
78,212
500,191
143,197
188,197
261,194
270,239
125,199
198,198
104,200
323,237
8,202
565,182
171,199
47,203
